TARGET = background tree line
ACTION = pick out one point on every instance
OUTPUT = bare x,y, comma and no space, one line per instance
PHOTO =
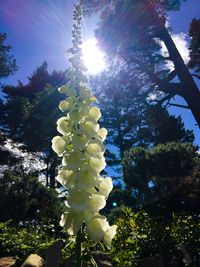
140,130
149,150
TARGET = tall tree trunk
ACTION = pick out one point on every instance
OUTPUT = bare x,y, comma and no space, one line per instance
119,131
190,91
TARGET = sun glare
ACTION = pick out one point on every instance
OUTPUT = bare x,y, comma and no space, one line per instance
93,58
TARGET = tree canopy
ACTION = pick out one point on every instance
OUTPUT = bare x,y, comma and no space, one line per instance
160,176
7,62
194,33
132,32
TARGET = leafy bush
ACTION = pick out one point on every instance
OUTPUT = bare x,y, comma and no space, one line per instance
140,235
23,241
185,230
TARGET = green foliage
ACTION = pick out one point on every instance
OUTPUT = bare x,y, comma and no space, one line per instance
185,229
23,199
33,106
131,120
159,125
140,236
162,174
7,61
23,241
194,33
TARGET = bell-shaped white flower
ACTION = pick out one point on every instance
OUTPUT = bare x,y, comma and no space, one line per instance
96,202
64,125
89,128
96,165
58,145
88,215
78,199
79,141
97,227
73,161
109,235
66,89
66,178
66,104
85,180
102,133
105,186
75,116
71,221
94,113
95,148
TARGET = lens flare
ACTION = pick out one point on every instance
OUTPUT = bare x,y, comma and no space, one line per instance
93,58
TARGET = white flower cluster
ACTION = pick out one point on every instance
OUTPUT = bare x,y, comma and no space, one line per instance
82,149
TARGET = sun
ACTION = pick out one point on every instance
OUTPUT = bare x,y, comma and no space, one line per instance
93,57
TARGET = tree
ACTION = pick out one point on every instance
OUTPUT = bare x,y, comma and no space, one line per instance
160,127
129,118
29,114
160,176
132,30
7,62
194,33
24,198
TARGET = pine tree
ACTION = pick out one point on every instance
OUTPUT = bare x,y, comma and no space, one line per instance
194,33
132,31
33,106
7,62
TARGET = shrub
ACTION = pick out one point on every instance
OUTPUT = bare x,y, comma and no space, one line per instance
23,241
140,235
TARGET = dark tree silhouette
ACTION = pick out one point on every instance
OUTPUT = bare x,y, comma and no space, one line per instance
29,114
7,62
130,30
165,175
194,33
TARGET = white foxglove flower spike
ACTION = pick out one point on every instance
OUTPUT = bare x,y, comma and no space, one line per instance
81,146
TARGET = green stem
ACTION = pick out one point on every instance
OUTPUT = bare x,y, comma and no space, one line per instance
79,248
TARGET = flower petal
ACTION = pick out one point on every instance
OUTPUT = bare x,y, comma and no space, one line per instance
79,141
73,161
78,199
64,126
94,113
96,202
102,133
96,165
89,128
105,186
85,180
67,90
75,116
109,235
72,221
66,178
66,104
58,145
97,228
95,148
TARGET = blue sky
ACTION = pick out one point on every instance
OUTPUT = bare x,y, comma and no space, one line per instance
40,30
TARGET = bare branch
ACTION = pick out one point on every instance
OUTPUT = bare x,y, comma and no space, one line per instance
196,76
177,105
171,75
